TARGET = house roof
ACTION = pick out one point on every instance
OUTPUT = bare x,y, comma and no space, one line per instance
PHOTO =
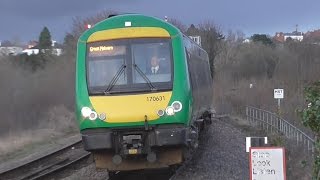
58,46
294,33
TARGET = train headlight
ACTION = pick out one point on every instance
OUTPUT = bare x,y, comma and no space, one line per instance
102,116
93,116
170,111
85,111
160,112
177,106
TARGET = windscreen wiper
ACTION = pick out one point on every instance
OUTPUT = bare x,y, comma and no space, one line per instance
115,79
145,78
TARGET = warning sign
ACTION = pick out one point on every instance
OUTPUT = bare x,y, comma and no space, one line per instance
278,93
267,163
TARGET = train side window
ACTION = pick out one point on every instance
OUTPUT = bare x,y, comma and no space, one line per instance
189,67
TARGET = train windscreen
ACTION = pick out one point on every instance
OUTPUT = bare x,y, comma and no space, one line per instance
129,65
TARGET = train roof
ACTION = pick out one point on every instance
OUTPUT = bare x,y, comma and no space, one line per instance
130,20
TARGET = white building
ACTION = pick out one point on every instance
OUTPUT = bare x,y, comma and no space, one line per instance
196,39
56,49
247,40
31,51
10,50
295,35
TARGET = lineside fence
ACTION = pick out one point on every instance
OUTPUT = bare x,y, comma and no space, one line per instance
271,122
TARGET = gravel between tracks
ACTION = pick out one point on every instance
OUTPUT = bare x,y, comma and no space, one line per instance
221,155
88,173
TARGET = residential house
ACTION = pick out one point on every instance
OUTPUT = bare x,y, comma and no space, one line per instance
30,51
7,48
312,36
33,48
279,37
247,40
196,39
32,44
282,37
295,35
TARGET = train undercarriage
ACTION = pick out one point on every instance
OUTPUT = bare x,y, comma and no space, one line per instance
149,147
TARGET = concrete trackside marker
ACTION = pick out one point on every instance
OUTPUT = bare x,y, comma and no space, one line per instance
256,142
267,163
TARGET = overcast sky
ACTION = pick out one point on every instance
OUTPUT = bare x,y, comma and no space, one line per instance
24,19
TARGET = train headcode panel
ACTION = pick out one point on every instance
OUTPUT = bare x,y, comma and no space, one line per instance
267,163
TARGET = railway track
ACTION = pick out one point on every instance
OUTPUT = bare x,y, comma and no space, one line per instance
43,167
154,174
63,162
55,164
158,174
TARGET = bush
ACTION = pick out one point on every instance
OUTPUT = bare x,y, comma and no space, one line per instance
31,87
288,66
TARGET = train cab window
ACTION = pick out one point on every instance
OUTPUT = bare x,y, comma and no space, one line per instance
105,62
129,65
154,60
101,74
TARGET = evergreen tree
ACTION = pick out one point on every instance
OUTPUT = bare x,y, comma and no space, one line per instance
70,45
45,39
193,31
311,118
263,38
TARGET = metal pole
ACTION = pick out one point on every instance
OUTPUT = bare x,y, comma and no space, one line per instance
279,110
247,114
297,137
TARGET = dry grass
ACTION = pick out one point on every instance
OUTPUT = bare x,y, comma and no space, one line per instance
290,66
298,163
293,67
35,103
56,122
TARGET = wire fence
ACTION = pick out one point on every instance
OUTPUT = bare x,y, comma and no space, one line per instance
273,123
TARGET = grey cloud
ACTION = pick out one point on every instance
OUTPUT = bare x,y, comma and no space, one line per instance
44,8
27,17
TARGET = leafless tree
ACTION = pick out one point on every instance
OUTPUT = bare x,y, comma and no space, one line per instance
290,66
211,37
178,24
79,25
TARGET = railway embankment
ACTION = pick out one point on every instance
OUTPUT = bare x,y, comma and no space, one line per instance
221,155
33,151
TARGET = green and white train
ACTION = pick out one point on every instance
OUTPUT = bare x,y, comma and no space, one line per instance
130,116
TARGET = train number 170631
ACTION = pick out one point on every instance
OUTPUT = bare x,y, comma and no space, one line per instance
156,98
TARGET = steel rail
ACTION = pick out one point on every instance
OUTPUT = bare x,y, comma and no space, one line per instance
40,164
65,164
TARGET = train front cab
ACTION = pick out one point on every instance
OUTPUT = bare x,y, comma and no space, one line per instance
132,119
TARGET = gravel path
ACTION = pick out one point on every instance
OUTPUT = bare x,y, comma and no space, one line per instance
221,155
88,173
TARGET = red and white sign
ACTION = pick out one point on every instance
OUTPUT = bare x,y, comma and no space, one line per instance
267,163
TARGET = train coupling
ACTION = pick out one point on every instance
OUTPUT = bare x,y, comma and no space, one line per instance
132,144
